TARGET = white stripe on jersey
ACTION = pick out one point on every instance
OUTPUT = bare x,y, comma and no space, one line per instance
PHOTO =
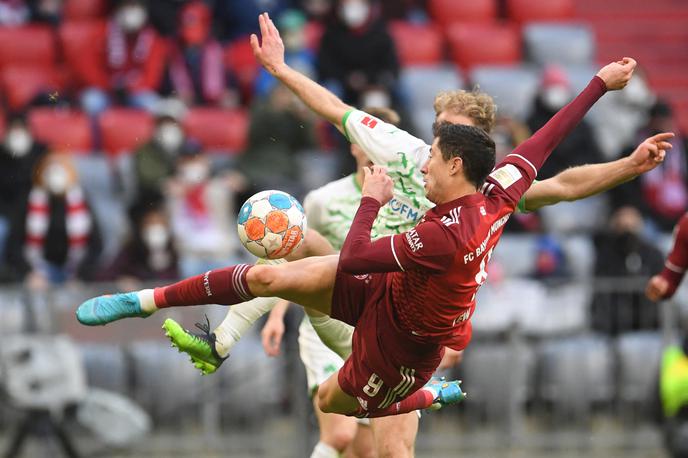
525,160
674,267
391,243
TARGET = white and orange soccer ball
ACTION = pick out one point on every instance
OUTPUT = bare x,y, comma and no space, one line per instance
271,224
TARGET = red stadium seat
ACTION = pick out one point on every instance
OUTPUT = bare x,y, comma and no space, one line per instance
218,130
21,84
484,44
240,61
446,12
417,44
125,129
540,10
2,126
80,41
80,10
314,31
62,130
29,45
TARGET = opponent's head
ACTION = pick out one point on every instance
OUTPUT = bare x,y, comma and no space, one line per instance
384,114
472,108
461,155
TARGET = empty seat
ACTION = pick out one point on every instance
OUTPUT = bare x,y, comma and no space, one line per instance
417,44
63,130
28,45
218,130
446,12
21,84
512,87
515,254
497,312
563,310
80,41
484,44
79,10
123,129
585,215
580,254
638,357
566,44
106,366
539,10
422,84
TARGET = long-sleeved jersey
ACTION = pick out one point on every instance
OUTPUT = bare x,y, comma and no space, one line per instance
677,262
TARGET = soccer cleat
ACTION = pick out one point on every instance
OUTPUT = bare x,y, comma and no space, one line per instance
104,309
444,392
200,347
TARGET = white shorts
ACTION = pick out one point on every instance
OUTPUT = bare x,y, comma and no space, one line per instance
319,360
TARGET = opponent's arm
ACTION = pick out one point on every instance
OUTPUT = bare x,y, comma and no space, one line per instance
587,180
271,55
273,331
314,244
664,285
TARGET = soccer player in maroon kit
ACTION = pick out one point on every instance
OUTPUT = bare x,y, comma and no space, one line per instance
408,295
664,284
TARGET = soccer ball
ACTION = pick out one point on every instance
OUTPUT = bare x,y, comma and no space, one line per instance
271,224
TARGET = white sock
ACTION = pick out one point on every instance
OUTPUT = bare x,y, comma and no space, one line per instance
334,333
322,450
147,301
239,319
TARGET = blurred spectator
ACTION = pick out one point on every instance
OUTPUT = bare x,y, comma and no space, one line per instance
196,72
291,25
403,9
48,11
316,9
239,18
56,239
550,260
357,52
661,194
155,161
14,12
130,63
280,129
622,252
164,15
577,148
202,213
19,154
149,254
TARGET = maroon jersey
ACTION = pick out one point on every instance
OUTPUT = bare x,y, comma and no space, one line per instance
677,262
437,267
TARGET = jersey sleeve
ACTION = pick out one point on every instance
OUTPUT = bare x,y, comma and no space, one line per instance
677,262
382,142
517,171
429,246
314,210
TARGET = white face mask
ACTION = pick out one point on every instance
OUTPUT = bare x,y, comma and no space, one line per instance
132,18
376,98
555,97
156,236
170,137
194,172
56,179
18,142
354,13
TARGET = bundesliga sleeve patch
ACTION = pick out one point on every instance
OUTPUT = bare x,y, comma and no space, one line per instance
506,176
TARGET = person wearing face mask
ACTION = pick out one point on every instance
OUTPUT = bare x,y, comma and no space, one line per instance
580,147
623,252
202,213
196,72
149,254
19,154
56,238
154,162
129,63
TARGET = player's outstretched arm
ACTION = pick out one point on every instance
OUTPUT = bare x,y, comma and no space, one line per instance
587,180
664,285
270,53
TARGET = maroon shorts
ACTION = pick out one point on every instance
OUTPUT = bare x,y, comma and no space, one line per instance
386,365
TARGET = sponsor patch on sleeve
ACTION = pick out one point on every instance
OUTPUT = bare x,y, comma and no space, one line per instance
506,176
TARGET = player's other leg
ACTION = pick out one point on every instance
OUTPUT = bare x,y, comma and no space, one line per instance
337,433
308,282
363,445
395,437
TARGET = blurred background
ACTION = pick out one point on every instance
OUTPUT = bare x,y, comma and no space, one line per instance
132,130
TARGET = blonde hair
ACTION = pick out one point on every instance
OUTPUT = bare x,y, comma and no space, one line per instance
385,114
478,106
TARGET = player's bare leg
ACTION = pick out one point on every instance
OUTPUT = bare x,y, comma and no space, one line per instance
363,445
395,436
337,433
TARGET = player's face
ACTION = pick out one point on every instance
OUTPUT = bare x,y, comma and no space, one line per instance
432,173
453,118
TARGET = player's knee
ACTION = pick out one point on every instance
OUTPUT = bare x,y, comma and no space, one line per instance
325,403
339,439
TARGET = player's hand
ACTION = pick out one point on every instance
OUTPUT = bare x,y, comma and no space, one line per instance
377,184
656,288
271,336
651,152
451,358
617,74
270,53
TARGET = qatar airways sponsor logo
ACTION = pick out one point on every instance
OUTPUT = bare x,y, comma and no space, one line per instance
473,255
463,317
413,240
403,209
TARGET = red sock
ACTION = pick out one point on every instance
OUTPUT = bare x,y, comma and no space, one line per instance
421,399
224,286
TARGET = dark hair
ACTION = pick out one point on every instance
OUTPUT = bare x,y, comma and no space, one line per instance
475,148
